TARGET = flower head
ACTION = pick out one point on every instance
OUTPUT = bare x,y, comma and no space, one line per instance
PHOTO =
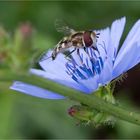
89,70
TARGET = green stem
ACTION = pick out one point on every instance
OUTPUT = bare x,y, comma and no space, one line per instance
92,101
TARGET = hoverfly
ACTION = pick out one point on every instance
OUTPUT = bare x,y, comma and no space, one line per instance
76,39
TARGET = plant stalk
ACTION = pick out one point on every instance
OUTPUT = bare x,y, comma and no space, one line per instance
92,101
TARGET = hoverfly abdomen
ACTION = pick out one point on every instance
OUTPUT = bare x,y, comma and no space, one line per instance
64,44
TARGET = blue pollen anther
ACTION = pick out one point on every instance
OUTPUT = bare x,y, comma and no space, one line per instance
74,78
80,74
87,71
101,62
91,66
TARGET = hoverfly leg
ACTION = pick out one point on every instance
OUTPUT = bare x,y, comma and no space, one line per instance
70,53
85,49
78,53
44,57
95,48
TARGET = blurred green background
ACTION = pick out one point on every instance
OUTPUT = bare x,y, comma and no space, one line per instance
23,116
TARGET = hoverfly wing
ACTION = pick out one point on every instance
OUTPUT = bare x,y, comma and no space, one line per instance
62,27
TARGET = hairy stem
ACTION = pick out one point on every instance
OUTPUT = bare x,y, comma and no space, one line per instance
92,101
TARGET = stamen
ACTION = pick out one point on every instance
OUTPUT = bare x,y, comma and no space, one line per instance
73,61
101,62
87,71
70,68
91,65
115,52
97,67
87,62
74,78
80,74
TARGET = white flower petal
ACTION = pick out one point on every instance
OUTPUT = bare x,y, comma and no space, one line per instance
34,91
67,81
129,58
117,28
106,54
132,37
128,55
103,41
56,67
91,84
106,73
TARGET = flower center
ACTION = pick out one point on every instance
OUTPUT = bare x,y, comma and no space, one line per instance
88,65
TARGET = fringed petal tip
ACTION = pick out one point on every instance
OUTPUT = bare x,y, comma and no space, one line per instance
128,56
34,91
117,29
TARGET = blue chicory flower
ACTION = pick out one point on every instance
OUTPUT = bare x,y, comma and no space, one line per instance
90,70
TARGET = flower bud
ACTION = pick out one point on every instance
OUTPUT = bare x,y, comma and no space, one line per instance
26,29
86,115
79,112
22,47
4,40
